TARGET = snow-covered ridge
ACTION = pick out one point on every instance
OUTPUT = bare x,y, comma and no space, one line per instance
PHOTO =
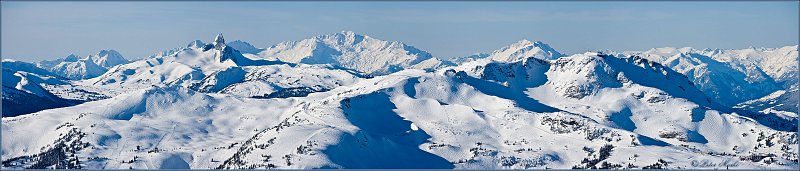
73,67
519,50
525,49
244,47
350,50
732,76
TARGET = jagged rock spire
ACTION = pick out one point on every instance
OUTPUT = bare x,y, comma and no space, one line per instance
219,42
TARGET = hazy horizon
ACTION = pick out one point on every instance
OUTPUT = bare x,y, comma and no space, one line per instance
445,29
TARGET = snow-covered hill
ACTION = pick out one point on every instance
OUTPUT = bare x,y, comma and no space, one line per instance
351,101
273,81
583,111
784,103
354,51
23,92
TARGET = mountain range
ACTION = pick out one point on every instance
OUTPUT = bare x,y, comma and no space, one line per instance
346,100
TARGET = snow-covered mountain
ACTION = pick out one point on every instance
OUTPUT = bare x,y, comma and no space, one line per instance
108,58
91,66
731,77
273,81
464,59
316,103
217,67
520,50
353,51
583,111
244,47
524,49
72,67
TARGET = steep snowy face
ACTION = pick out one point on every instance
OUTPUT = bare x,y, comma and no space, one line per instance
525,49
525,73
108,58
581,75
350,50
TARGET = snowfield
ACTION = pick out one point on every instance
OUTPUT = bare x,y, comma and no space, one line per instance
351,101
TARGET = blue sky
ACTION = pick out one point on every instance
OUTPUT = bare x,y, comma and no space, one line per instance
33,31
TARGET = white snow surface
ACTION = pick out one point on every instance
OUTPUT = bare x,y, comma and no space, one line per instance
314,103
625,111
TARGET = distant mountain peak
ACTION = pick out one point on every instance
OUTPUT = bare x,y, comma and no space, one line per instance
196,44
348,33
524,49
107,52
244,47
219,42
351,50
108,58
71,58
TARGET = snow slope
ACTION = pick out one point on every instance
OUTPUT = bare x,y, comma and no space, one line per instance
23,92
263,81
622,113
